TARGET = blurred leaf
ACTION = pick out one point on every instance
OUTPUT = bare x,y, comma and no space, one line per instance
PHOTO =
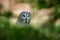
8,14
41,4
1,6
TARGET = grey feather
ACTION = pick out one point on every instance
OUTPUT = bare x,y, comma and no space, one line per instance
24,18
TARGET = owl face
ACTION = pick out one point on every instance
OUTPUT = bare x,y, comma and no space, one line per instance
25,17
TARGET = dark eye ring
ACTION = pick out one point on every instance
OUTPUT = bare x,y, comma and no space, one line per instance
24,15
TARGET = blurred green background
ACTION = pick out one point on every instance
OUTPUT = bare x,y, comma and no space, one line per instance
47,31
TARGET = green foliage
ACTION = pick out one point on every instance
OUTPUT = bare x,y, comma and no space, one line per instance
24,33
27,32
58,1
7,14
47,3
41,4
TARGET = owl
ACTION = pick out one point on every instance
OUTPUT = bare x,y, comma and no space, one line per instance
24,18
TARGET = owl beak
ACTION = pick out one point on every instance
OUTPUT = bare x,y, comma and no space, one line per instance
26,21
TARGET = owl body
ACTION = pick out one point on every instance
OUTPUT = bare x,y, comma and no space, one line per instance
24,18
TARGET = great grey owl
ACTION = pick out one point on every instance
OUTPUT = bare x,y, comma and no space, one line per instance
24,18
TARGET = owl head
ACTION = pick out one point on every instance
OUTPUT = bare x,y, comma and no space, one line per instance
24,17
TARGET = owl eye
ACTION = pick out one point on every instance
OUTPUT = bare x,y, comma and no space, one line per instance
23,15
